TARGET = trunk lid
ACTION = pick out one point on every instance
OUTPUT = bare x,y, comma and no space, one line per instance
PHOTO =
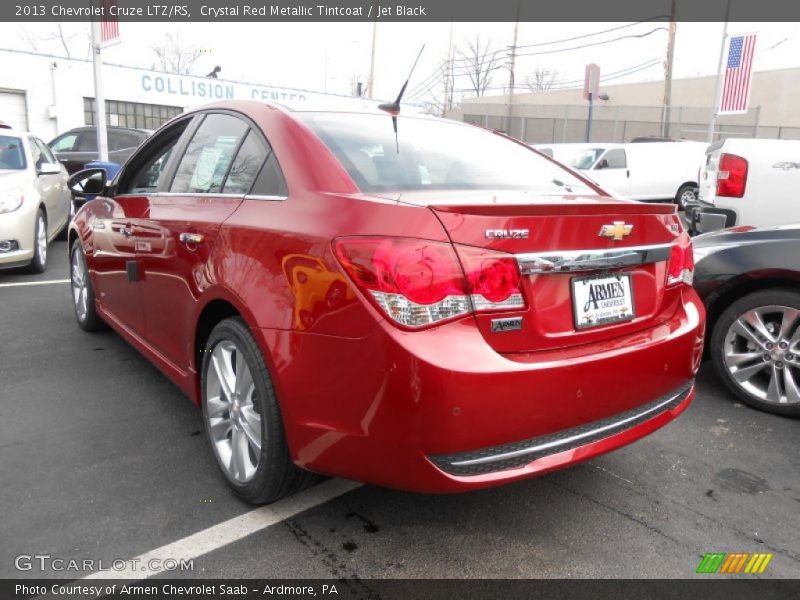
554,233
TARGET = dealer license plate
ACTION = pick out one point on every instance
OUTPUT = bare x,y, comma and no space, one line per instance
602,300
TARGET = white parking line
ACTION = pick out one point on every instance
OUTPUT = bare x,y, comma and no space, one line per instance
22,283
227,532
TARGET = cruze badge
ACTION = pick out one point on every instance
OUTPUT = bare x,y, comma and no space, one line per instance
507,234
616,231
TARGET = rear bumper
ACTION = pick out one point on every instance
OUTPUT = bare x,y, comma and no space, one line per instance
519,454
705,218
402,409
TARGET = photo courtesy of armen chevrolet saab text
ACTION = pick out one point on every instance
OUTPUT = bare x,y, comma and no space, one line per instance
391,298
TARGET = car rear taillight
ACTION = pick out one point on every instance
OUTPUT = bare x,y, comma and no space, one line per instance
418,283
493,279
681,262
731,176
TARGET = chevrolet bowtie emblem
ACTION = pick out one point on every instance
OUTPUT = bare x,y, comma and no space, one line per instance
616,231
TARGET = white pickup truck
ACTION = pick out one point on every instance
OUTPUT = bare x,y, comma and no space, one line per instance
650,172
748,182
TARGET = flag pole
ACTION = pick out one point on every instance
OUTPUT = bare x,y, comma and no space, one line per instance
718,93
99,97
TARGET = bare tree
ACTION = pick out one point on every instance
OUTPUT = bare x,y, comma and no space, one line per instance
478,64
175,57
541,79
358,87
59,41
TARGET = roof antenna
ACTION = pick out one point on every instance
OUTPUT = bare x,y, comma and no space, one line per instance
393,108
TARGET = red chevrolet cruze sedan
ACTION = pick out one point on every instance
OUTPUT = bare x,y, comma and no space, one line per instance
400,300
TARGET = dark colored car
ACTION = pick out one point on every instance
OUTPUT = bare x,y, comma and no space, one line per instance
78,146
749,280
402,300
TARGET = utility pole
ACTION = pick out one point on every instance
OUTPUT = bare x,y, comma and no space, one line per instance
511,72
713,120
446,104
668,72
99,97
371,83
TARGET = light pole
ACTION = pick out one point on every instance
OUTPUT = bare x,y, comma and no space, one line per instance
604,97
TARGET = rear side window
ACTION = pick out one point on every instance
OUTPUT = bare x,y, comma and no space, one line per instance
615,159
246,165
87,142
208,156
122,141
270,180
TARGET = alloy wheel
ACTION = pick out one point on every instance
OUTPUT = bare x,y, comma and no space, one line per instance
41,239
687,197
762,353
232,413
80,290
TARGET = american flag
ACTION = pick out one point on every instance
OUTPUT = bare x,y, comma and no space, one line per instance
109,26
738,72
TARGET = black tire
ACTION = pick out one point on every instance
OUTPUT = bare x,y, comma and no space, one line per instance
275,476
765,298
89,320
682,199
38,263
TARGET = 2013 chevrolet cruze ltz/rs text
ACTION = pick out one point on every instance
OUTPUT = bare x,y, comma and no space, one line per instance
400,300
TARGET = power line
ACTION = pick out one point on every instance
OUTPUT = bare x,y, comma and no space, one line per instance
566,84
569,39
578,37
616,39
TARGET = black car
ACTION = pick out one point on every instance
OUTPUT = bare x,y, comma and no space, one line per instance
749,280
78,146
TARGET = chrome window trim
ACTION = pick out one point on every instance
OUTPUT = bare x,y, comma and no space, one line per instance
573,261
209,195
266,197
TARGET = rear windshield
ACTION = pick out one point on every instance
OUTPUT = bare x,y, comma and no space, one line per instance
427,154
12,154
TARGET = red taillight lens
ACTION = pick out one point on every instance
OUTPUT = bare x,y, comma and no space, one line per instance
493,278
681,262
423,272
420,282
731,176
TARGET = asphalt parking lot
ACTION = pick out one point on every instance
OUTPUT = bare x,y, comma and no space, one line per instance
101,457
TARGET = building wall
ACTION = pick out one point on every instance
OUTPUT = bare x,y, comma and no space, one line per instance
636,109
55,89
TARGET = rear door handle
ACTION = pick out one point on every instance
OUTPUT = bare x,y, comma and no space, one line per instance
191,238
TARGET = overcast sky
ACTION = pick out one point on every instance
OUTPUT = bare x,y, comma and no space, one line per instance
319,56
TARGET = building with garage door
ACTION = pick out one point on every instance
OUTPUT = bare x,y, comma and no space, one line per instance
48,95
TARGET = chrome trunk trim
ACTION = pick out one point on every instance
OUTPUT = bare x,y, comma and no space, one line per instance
575,261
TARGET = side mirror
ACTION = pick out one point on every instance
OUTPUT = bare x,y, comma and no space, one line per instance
88,182
603,164
49,169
